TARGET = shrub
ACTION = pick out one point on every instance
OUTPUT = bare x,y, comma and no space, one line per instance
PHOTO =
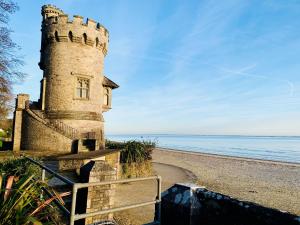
114,144
135,157
137,151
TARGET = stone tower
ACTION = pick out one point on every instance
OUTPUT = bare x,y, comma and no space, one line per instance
74,92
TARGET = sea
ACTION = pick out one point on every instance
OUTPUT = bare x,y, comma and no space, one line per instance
275,148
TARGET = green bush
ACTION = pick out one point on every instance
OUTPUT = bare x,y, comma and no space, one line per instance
137,151
114,144
133,151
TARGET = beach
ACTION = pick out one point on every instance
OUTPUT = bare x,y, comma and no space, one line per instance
269,183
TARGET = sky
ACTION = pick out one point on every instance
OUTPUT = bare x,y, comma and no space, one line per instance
187,67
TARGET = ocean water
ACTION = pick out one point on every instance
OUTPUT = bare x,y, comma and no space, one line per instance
278,148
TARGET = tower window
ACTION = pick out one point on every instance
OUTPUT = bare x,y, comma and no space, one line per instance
82,88
106,96
70,36
97,42
56,36
84,38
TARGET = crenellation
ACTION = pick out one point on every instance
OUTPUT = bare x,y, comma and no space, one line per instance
91,23
72,58
63,19
77,19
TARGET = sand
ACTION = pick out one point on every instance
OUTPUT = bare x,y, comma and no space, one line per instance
130,193
269,183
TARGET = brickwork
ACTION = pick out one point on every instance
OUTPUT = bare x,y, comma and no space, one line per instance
97,197
37,136
18,120
114,161
65,56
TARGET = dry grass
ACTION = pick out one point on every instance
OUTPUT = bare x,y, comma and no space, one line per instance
133,170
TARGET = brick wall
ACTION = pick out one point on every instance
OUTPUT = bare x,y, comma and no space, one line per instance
98,197
37,136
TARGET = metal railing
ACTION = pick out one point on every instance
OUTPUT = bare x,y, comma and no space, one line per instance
76,186
65,129
57,125
60,177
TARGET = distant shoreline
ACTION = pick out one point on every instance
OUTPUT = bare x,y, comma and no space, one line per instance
283,149
211,135
229,157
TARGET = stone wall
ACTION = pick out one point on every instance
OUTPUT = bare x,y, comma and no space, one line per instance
71,50
114,161
17,123
37,136
98,197
192,205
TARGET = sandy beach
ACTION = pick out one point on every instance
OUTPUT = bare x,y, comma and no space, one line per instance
269,183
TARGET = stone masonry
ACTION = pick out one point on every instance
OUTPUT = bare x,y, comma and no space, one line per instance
98,197
74,92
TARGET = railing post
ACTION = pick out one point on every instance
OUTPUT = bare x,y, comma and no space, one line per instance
43,175
157,215
43,179
73,206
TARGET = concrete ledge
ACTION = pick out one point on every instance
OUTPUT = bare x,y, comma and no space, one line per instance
75,161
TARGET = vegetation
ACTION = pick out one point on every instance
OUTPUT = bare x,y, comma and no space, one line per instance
137,169
21,199
6,125
9,59
114,144
137,152
133,151
135,157
19,167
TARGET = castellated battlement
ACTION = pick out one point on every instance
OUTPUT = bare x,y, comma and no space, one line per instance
74,93
57,27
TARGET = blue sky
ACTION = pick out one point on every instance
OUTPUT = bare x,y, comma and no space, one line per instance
188,67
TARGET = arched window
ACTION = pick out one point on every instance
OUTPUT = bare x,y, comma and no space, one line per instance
56,36
97,42
84,38
106,96
70,36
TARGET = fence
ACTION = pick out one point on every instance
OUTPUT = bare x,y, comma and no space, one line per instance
76,186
